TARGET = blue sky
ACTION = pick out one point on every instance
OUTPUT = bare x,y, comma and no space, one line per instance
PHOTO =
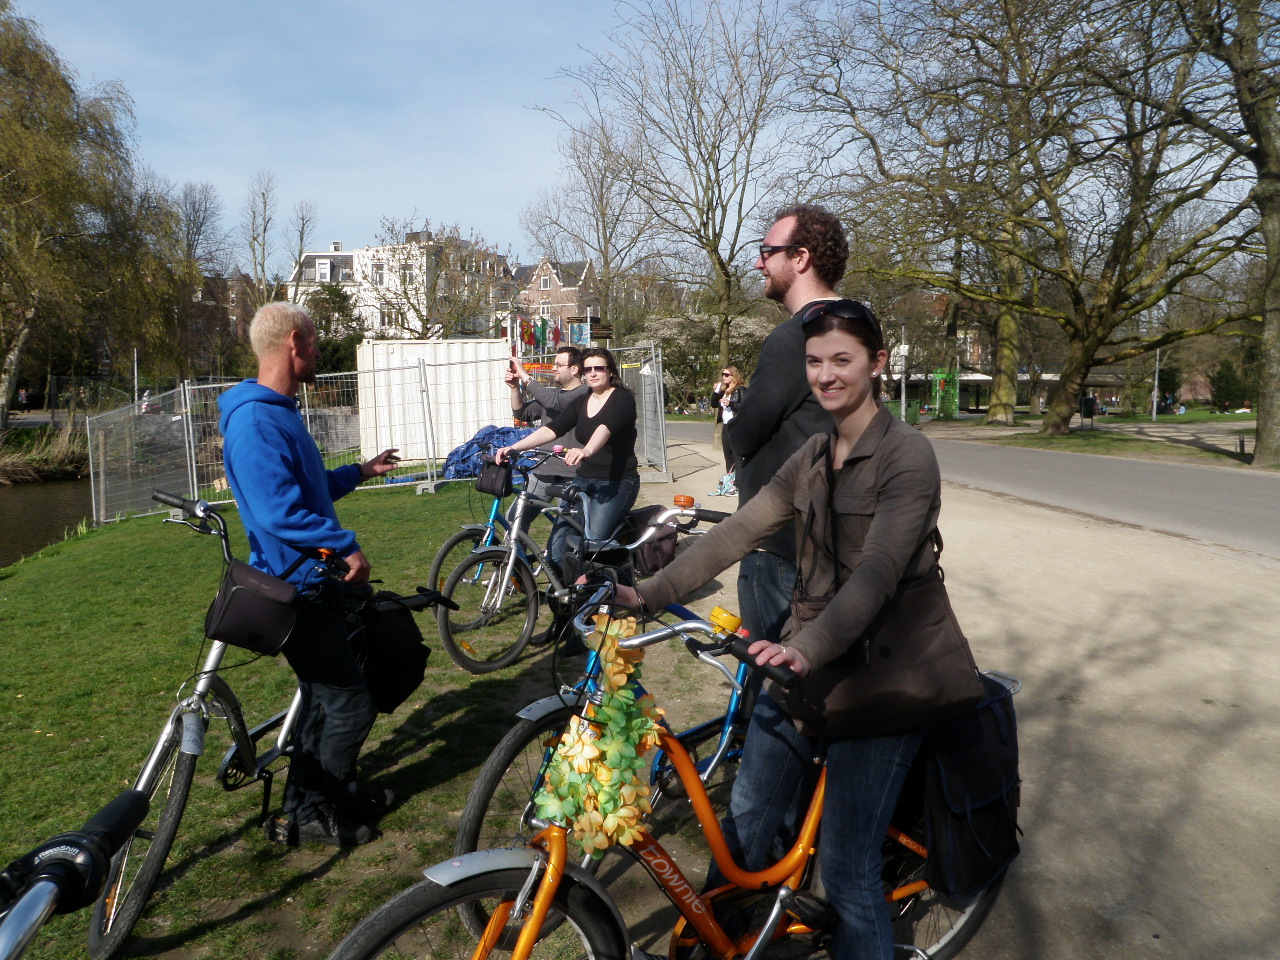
369,109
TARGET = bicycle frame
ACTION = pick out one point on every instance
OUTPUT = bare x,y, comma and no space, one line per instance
193,713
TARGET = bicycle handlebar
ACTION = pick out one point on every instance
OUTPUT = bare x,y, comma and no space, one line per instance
66,872
733,644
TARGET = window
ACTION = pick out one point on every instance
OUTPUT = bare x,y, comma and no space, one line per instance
322,271
377,275
546,283
544,310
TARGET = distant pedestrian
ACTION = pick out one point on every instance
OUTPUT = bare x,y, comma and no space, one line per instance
728,394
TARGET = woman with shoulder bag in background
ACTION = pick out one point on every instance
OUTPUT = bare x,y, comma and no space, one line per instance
864,503
728,395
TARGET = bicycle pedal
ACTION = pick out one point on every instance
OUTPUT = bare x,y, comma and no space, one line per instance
809,909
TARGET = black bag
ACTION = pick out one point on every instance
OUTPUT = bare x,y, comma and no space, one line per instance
253,610
495,480
972,795
390,651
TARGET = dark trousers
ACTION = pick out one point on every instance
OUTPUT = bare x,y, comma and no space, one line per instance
337,711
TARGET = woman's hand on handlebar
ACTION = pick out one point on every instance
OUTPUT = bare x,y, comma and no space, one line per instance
574,456
768,652
500,455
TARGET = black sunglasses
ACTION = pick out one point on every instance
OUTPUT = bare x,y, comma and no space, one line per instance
768,249
845,310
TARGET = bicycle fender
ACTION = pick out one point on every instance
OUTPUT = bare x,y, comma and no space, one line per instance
477,527
193,728
449,872
549,705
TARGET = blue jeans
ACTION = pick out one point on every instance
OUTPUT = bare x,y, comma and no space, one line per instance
770,794
607,503
765,583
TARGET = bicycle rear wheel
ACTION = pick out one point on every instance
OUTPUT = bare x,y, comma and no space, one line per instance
136,868
451,553
496,612
426,921
927,920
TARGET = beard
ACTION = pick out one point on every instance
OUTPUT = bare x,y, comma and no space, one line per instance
777,287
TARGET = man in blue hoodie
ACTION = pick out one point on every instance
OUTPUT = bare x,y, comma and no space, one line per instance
286,499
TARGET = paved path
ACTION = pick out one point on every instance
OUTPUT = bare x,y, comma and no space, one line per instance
1149,726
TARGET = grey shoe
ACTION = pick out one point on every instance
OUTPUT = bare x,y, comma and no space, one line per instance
336,831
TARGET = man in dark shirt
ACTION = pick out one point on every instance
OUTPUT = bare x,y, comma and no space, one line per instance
531,401
802,258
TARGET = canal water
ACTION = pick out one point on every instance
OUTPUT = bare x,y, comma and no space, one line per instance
34,515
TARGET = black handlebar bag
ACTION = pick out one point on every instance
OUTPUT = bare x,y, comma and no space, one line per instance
253,610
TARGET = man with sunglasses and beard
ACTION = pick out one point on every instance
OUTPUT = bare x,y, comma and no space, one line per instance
802,258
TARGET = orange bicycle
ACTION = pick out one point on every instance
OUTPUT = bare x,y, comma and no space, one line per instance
537,900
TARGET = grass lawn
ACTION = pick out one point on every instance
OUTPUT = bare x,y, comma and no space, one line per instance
1195,415
100,632
1112,443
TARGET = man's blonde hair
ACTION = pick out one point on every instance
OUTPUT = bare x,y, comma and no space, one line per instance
272,324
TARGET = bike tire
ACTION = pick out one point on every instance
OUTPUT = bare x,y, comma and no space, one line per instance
426,921
930,922
478,636
451,553
139,863
501,800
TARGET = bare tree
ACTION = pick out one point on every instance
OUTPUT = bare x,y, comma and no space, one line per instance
596,213
693,89
437,284
976,123
302,222
257,229
201,235
1230,53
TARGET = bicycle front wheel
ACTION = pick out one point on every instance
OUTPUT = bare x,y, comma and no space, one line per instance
501,800
496,611
451,553
426,921
136,868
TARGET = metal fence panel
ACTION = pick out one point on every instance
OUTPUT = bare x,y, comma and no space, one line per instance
136,449
172,442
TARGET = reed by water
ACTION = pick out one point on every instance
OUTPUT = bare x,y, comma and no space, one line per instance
31,454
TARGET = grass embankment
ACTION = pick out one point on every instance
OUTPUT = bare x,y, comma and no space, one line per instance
99,634
1109,443
30,454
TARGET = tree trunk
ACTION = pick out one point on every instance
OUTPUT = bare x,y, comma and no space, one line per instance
1266,451
1004,380
1064,401
9,369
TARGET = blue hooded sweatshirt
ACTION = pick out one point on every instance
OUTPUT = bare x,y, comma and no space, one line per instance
280,482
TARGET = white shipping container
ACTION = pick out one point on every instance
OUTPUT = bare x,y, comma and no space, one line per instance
428,396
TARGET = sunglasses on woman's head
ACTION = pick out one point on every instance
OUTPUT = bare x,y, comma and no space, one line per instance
845,310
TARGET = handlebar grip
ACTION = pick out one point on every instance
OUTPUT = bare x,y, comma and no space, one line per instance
783,676
116,822
173,500
711,516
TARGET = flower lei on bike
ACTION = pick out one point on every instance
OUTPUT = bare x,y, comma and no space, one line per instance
596,780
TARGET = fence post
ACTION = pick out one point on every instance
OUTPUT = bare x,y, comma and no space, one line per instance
188,432
428,427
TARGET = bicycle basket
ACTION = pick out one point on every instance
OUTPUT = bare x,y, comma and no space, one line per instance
253,610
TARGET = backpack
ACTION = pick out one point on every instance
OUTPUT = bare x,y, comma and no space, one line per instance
972,795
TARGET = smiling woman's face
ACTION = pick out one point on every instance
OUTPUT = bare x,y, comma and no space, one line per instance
840,369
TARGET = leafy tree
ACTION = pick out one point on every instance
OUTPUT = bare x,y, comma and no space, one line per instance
1230,388
65,167
338,329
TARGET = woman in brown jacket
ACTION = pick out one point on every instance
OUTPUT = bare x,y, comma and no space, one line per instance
863,502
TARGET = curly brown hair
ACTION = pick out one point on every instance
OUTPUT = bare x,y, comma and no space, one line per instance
820,232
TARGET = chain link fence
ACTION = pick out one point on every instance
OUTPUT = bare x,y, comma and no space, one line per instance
170,441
